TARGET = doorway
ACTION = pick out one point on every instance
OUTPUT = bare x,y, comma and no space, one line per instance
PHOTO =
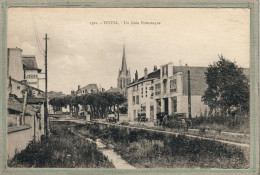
166,103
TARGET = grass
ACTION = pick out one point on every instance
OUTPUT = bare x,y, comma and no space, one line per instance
238,124
146,149
63,149
207,133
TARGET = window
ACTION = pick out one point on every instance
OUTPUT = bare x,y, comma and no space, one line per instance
143,108
18,87
40,124
174,101
137,99
164,87
133,100
165,71
173,86
158,89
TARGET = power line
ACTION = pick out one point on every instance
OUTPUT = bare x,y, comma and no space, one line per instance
36,36
37,32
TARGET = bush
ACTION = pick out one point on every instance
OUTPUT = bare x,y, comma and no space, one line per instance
240,123
143,149
64,149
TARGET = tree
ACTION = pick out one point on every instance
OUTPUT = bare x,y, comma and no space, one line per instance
119,99
99,103
228,87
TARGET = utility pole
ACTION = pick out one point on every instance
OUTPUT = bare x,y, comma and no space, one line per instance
46,91
189,95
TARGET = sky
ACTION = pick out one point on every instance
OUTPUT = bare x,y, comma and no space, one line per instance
84,47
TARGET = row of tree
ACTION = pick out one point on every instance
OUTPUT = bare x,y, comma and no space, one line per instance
99,104
228,88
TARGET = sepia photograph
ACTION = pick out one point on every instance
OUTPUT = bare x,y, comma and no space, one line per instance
129,89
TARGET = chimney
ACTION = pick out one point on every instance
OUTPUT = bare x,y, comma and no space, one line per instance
145,73
136,75
155,68
78,87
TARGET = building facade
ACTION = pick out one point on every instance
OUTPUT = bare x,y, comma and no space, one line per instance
22,67
124,76
31,70
14,64
25,111
90,88
166,90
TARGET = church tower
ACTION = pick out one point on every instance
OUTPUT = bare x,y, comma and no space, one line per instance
124,77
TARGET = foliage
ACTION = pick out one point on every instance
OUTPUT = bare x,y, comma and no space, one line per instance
240,123
228,87
123,109
148,149
98,103
63,149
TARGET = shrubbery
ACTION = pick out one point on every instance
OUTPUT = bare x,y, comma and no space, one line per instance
240,123
143,148
63,149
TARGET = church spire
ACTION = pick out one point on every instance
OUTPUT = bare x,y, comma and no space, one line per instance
124,67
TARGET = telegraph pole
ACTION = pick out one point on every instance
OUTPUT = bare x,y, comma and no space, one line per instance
46,91
189,95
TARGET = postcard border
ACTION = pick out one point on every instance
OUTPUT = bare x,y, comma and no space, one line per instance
253,89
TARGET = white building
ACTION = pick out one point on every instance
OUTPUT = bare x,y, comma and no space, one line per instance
31,70
166,90
90,88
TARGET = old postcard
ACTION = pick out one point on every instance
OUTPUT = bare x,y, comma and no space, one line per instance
108,88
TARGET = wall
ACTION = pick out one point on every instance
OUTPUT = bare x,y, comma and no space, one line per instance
130,103
18,140
18,87
197,106
15,66
32,78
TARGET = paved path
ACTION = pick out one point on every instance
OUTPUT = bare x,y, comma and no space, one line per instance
116,159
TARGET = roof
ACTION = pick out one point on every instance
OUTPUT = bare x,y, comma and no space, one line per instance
15,105
33,100
115,90
90,86
124,66
26,85
152,75
53,94
30,63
